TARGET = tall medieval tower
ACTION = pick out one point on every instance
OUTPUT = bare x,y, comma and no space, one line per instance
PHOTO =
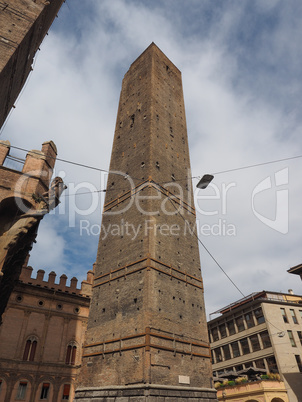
147,333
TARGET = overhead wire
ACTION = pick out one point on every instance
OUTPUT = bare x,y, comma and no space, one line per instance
166,182
207,250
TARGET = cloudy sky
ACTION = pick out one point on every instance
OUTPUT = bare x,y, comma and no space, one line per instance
241,70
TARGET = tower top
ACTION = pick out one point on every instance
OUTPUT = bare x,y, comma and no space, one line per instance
155,48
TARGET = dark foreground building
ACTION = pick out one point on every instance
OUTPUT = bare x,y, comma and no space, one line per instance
23,25
26,195
147,332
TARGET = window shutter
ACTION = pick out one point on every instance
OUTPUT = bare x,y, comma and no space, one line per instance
26,350
66,390
68,353
73,356
32,351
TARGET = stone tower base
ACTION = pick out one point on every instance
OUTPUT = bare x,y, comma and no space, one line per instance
146,393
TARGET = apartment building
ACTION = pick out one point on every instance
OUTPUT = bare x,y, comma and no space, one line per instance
262,330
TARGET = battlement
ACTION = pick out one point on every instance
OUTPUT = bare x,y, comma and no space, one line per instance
35,160
85,290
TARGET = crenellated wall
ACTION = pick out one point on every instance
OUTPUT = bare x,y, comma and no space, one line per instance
61,286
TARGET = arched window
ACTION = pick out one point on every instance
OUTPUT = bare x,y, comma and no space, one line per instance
2,389
71,354
30,349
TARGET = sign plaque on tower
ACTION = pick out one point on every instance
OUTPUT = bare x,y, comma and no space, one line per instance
147,333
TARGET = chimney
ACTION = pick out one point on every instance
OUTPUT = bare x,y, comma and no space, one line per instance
290,291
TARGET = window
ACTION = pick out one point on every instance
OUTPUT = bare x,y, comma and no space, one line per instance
291,338
255,343
239,323
222,331
231,327
285,319
248,364
300,311
212,355
239,367
71,354
299,363
272,365
218,355
235,349
226,352
66,391
266,342
300,336
249,320
0,385
21,390
44,390
30,350
292,313
260,363
245,346
259,316
215,334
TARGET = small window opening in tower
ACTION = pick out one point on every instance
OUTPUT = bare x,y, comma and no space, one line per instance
157,165
173,177
142,164
132,120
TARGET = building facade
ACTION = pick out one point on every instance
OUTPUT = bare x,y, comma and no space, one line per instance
263,330
23,25
147,332
41,337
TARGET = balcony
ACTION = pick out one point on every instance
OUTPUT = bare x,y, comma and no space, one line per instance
253,390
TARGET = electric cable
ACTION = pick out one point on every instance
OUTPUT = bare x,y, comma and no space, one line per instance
207,250
167,182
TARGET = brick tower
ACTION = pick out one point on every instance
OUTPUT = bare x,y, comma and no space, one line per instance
147,333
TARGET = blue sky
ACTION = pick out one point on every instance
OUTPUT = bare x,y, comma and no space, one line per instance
241,70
